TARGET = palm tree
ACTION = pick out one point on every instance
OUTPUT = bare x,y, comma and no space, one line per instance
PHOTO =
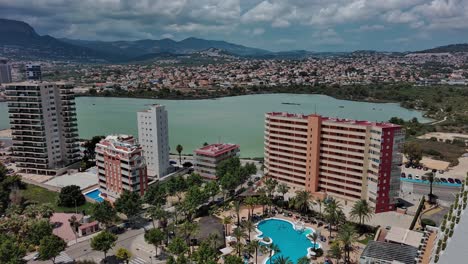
319,202
347,236
333,211
302,201
239,234
273,248
256,246
270,185
251,202
303,260
335,251
249,226
362,211
227,220
179,150
283,189
282,260
213,240
314,237
74,224
237,207
430,177
189,229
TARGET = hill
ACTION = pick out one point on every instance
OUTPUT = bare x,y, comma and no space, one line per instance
448,48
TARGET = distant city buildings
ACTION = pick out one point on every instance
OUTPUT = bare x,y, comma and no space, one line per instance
5,71
33,72
153,136
343,158
44,129
121,166
208,157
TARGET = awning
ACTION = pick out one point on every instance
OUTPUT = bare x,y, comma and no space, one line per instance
226,251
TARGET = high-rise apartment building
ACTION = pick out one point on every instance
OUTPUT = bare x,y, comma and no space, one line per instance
121,166
208,157
44,129
5,71
343,158
33,72
153,137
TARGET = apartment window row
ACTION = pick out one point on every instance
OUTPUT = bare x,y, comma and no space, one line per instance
332,146
342,161
339,186
287,121
272,127
275,132
285,174
272,148
287,169
342,135
289,140
341,154
344,128
280,178
287,145
286,157
332,191
340,141
342,174
340,180
339,167
285,162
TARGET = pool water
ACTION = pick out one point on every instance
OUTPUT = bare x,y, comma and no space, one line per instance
95,195
292,243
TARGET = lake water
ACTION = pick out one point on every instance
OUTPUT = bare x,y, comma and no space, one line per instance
237,120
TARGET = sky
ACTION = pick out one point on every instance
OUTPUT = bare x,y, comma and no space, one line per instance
314,25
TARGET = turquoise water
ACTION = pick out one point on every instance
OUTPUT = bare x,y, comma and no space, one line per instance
434,183
239,119
95,195
292,243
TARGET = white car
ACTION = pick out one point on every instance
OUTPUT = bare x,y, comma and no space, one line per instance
417,177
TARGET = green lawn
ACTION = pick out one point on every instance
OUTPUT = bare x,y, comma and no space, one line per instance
39,195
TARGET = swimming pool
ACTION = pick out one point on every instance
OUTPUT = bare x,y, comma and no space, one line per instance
95,195
434,183
292,243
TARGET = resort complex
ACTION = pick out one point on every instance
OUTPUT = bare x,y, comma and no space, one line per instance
121,166
343,158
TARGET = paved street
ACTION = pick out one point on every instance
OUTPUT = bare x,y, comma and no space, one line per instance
412,191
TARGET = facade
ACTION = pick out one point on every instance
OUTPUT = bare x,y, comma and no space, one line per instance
207,158
153,137
33,72
343,158
44,129
5,71
121,166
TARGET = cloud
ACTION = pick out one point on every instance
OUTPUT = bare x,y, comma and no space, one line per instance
368,28
258,31
167,35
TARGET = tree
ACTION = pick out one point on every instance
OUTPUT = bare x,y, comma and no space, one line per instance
335,251
227,220
362,211
314,236
231,259
272,248
90,146
283,189
237,208
270,185
239,234
255,244
50,247
70,196
179,150
123,254
205,254
155,237
104,213
302,201
11,252
129,203
156,195
251,202
104,242
303,260
38,230
333,212
413,152
212,189
74,224
156,212
249,226
347,236
177,246
282,260
319,202
430,178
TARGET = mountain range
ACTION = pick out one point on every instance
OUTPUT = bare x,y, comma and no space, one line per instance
19,40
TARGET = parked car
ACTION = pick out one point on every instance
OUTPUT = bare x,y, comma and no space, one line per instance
407,165
419,167
457,181
425,168
36,256
441,171
443,180
437,180
414,166
450,180
410,176
417,177
424,178
323,239
403,175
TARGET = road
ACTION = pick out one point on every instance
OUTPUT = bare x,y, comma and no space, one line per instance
444,193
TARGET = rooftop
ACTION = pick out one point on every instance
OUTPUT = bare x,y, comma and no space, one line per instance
216,149
122,142
333,119
390,252
404,236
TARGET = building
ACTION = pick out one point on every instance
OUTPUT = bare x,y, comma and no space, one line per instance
153,137
33,72
121,166
44,129
208,157
5,71
377,252
343,158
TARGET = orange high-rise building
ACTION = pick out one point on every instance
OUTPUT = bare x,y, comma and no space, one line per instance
343,158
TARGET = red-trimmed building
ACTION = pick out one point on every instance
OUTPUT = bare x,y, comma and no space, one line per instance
208,157
343,158
121,166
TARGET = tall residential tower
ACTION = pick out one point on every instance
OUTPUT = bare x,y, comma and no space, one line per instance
343,158
5,71
153,137
43,124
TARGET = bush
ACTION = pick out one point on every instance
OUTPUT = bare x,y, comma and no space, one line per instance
70,196
451,233
427,222
318,252
266,239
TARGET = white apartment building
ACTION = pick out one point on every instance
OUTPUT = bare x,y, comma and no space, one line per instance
44,129
5,71
153,136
